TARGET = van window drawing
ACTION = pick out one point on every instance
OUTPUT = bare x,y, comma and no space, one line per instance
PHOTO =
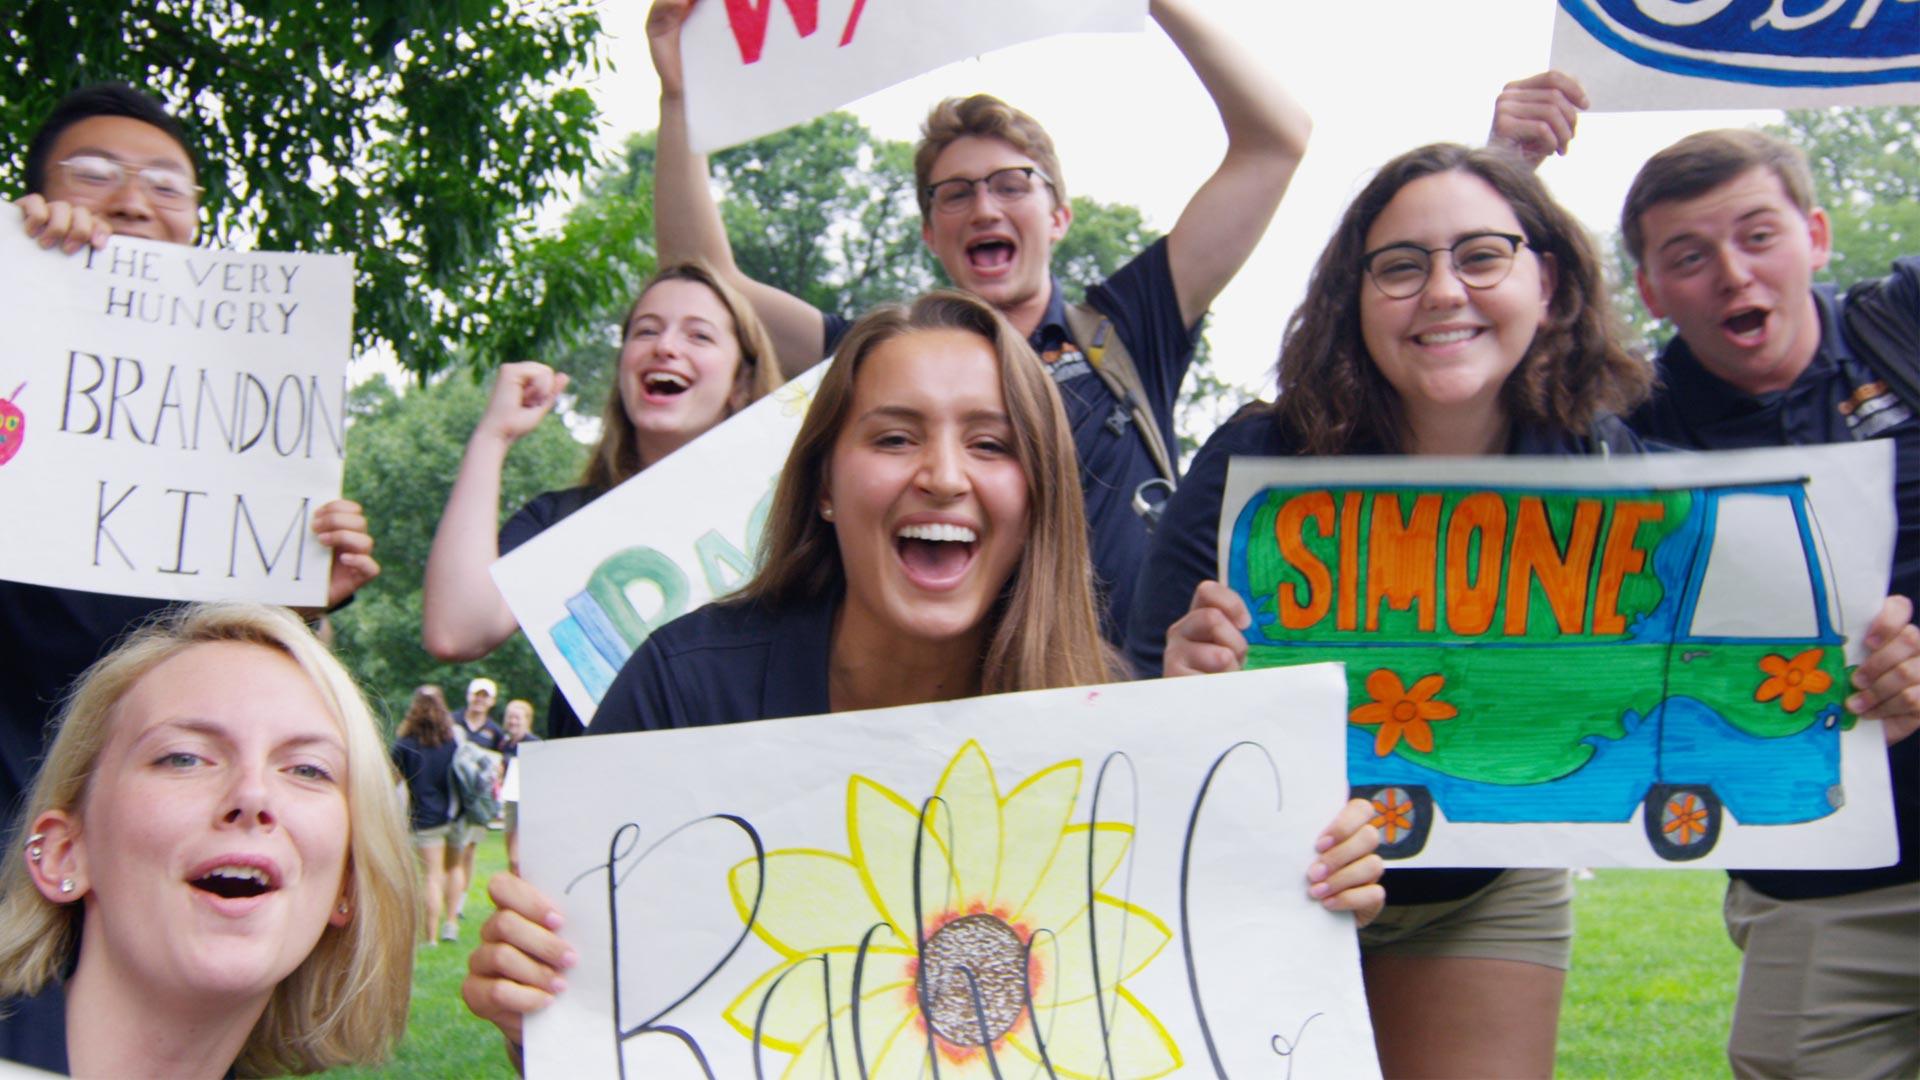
1025,885
1532,654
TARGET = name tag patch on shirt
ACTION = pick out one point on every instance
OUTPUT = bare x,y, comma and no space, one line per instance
1872,409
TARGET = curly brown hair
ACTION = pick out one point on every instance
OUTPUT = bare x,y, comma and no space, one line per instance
1333,398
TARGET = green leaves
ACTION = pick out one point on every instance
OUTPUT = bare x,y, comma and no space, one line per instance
418,134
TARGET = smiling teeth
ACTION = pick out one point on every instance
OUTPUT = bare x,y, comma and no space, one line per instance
1447,337
241,873
939,533
658,378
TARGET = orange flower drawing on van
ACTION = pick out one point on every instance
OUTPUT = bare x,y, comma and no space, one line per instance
1402,713
1792,680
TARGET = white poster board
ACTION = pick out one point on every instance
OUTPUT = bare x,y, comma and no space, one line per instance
1198,801
172,417
1634,661
754,67
1763,54
590,589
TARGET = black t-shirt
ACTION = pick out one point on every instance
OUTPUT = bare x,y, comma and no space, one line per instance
722,664
1184,553
33,1030
1833,401
489,736
48,638
541,513
1140,301
428,773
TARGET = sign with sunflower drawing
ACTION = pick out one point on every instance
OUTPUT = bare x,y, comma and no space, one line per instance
1586,662
1096,882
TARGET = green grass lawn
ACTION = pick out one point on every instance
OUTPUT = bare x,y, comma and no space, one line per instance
1650,993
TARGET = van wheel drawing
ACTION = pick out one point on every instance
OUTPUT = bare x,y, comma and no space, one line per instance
1682,820
1403,813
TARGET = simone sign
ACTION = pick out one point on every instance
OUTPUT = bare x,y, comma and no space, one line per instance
173,417
1632,662
1671,54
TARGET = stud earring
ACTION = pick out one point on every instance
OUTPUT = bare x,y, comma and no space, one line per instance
33,846
343,907
66,884
827,512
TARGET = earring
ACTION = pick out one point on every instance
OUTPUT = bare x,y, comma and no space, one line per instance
33,846
66,884
827,512
343,907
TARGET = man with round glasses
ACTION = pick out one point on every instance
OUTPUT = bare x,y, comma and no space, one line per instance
110,161
993,204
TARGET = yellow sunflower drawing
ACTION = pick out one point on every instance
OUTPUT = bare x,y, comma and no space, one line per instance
995,956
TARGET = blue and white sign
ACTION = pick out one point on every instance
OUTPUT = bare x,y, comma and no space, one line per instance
1690,54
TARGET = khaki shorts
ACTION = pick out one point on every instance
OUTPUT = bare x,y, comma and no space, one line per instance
1524,915
1829,987
423,838
462,833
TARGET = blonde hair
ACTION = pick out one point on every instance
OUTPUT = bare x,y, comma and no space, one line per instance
347,1001
1043,631
616,457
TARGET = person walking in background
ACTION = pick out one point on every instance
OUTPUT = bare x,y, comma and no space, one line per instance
423,756
519,727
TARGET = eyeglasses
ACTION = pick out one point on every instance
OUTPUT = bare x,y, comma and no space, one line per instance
1005,185
103,174
1480,261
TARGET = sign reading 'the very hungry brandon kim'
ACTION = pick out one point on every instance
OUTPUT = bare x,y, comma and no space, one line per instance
170,417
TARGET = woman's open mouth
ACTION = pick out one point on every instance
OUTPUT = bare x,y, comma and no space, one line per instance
664,384
235,881
935,555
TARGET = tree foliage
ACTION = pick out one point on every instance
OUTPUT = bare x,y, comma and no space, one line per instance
403,452
419,134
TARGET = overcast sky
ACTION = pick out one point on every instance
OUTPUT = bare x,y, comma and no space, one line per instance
1133,125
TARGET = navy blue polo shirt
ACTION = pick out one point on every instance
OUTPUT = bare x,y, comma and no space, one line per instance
541,513
1837,399
1185,552
722,664
1140,301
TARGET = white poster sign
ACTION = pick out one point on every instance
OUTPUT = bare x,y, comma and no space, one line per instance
754,67
1104,881
1636,55
1635,661
171,417
589,590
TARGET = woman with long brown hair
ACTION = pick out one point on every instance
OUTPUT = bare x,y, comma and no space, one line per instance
1456,310
422,754
693,353
927,542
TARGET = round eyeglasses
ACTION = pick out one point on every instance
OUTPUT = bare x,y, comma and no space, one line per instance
1480,261
955,194
104,174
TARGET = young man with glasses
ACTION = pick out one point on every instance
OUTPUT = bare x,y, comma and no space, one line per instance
993,203
1723,228
109,161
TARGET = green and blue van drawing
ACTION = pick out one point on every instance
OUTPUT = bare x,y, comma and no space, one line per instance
1521,654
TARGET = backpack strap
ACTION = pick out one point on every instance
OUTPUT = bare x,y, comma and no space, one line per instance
1108,356
1883,337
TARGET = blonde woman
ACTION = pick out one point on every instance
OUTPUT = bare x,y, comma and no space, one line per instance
213,873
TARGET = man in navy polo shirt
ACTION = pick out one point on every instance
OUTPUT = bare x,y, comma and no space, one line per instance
1727,240
993,204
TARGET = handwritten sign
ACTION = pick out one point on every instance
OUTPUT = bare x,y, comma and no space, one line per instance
1043,884
589,590
757,66
1694,54
173,417
1564,662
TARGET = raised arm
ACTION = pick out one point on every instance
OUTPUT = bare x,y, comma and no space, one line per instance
1536,116
1266,137
463,615
686,220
